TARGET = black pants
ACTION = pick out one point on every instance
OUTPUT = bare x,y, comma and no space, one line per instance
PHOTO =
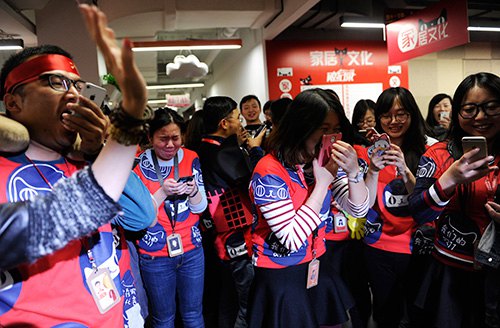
387,274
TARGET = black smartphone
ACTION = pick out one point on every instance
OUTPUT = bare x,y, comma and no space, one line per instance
185,179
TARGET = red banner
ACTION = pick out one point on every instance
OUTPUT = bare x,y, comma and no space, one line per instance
438,27
354,70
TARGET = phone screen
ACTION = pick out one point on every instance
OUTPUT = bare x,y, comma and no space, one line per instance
185,179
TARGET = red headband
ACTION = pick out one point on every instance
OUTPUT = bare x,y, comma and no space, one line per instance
36,66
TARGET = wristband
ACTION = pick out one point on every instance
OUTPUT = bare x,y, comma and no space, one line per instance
358,178
195,192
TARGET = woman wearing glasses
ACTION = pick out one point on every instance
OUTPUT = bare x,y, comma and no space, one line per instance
363,115
460,193
391,179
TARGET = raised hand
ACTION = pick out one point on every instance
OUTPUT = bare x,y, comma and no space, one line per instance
119,61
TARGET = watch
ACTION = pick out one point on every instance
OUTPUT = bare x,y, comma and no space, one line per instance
359,177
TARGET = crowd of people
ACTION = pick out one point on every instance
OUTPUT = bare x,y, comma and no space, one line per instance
217,224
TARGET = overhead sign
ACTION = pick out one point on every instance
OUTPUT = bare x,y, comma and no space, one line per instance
354,70
438,27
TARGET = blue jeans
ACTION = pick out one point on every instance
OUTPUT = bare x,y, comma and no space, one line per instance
164,277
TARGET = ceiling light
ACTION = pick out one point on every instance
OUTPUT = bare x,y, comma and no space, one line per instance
360,22
175,86
157,101
363,25
176,45
11,44
483,29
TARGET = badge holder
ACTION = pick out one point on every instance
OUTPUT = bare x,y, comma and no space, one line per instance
313,267
102,287
174,243
339,223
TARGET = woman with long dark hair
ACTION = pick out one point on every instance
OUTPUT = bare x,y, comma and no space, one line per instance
459,192
391,178
292,213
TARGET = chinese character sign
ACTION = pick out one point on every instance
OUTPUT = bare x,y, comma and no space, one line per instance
436,28
353,69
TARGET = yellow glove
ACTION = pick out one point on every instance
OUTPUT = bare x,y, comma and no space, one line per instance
357,226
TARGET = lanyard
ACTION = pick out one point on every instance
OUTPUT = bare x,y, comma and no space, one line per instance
39,172
173,220
491,185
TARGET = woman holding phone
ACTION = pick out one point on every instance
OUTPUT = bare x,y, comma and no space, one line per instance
171,257
292,211
393,161
458,190
438,115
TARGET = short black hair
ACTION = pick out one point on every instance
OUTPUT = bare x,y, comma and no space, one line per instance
215,109
247,98
22,56
163,117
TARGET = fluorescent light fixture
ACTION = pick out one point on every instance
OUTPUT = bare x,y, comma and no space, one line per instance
361,22
483,29
363,25
175,86
11,44
176,45
157,101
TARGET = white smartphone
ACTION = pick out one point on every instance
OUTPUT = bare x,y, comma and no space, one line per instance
94,92
469,143
443,115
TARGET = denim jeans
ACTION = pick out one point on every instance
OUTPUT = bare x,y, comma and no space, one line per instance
164,277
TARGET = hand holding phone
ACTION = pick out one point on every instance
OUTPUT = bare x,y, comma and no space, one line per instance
185,179
325,150
443,115
469,143
94,92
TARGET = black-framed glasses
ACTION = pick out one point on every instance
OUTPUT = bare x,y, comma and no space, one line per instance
401,117
470,110
368,121
62,83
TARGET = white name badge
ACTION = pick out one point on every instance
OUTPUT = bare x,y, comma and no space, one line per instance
103,289
174,243
339,223
312,273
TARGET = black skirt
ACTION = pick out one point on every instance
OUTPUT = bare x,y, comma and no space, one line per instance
279,298
453,296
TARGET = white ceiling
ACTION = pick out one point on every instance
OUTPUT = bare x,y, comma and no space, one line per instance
198,19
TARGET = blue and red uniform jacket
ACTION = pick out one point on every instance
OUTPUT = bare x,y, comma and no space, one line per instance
154,242
53,291
460,220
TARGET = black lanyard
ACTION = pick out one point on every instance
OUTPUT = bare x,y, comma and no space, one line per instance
173,220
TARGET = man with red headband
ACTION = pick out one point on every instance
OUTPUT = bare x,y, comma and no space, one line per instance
40,87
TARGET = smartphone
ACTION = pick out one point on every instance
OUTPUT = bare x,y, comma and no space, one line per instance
258,130
469,143
325,149
94,92
443,115
185,179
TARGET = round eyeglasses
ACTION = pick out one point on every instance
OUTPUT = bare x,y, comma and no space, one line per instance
470,110
62,83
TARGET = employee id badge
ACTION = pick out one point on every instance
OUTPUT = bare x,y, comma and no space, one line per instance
312,273
174,243
339,223
103,289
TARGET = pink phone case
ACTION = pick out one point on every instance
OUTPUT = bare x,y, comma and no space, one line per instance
326,147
